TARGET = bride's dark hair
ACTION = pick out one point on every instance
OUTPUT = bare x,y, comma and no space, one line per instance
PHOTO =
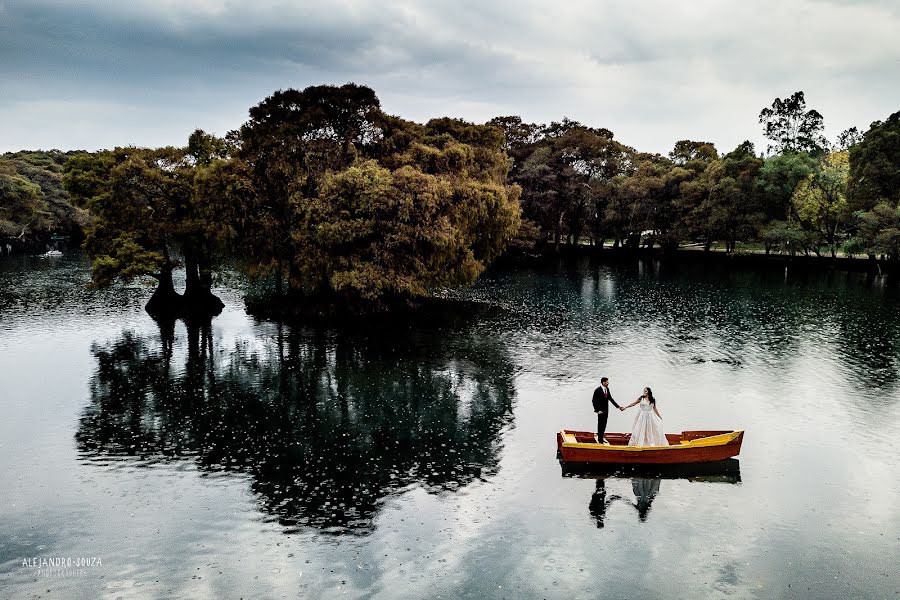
650,397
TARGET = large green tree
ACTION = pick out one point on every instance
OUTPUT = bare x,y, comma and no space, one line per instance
359,207
778,178
875,166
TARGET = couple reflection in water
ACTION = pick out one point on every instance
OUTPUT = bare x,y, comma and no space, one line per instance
645,490
645,485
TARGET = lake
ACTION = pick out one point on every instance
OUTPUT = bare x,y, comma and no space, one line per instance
252,459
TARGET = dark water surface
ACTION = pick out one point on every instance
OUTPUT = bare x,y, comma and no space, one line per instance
261,460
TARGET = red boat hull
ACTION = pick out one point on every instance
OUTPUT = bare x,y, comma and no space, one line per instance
689,447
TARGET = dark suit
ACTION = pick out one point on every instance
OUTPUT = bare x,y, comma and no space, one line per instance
601,401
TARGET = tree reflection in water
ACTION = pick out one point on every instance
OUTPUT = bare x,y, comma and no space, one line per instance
327,424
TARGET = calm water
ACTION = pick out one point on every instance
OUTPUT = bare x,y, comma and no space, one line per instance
257,460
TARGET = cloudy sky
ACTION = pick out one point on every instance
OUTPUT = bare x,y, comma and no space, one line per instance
97,73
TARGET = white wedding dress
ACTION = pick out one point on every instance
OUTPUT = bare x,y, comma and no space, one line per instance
648,427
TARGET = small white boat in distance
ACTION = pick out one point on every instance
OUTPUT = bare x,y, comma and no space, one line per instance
52,253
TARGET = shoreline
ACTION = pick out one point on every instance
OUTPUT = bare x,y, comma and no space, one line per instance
751,259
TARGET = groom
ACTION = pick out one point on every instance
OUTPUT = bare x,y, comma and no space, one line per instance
602,398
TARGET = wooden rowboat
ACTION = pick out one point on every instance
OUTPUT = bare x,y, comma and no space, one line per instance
687,447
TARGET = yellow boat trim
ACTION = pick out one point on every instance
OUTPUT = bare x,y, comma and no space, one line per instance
713,440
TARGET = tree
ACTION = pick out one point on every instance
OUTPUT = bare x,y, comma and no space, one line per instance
647,195
688,151
791,127
689,160
291,141
786,237
879,230
777,180
150,217
849,138
875,166
723,200
518,134
129,197
820,199
372,235
566,178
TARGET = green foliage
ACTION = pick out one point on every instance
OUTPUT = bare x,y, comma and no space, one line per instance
153,210
567,172
689,151
22,206
348,201
129,196
291,142
849,138
42,206
879,230
723,202
517,133
875,166
373,234
778,178
124,259
853,246
786,237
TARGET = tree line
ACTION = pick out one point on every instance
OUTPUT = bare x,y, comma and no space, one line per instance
338,203
805,195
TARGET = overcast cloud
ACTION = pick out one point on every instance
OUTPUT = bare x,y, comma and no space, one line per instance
94,73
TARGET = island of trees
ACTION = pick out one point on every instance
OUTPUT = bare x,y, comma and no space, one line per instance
340,204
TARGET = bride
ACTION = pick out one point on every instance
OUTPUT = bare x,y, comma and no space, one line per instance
648,427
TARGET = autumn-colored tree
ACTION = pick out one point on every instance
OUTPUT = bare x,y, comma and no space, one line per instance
377,235
292,140
150,217
820,198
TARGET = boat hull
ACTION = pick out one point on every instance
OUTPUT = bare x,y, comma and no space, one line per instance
689,447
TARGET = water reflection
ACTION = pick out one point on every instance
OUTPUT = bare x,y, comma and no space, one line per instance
646,483
744,320
326,424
